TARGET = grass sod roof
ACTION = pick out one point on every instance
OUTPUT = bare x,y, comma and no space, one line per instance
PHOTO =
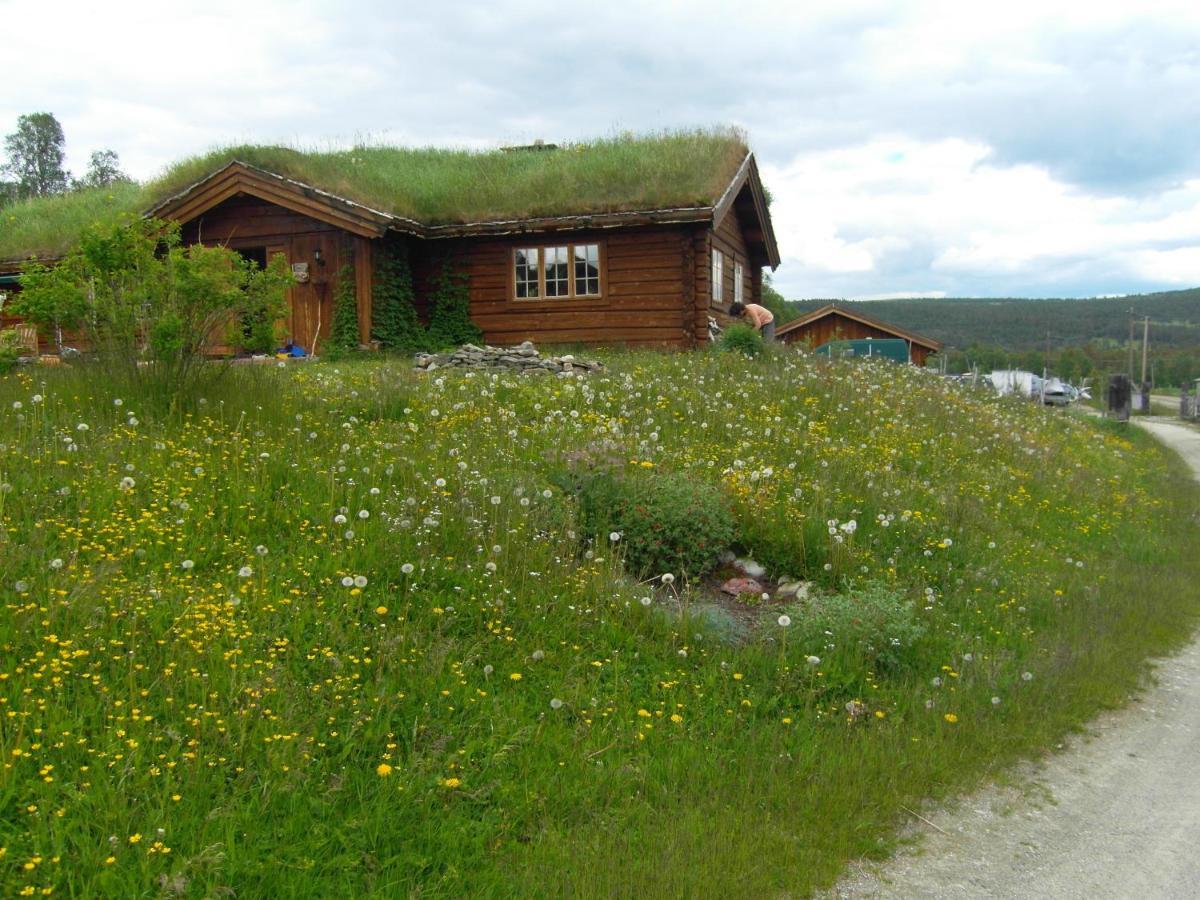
432,186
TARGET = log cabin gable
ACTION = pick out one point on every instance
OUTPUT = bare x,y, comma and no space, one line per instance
241,179
746,198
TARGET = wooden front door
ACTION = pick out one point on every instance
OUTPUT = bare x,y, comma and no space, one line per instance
312,300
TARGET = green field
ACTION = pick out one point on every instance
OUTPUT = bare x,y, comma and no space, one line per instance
340,631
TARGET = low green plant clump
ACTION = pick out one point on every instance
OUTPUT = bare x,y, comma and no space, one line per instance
337,629
665,522
741,338
872,628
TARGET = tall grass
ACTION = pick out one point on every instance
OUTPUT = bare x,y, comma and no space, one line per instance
185,646
434,186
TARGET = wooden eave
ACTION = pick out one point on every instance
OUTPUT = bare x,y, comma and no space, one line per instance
745,193
681,215
834,309
240,178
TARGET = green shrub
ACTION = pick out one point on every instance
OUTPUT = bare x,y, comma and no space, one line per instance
667,522
10,349
741,339
872,625
343,335
450,310
139,296
394,318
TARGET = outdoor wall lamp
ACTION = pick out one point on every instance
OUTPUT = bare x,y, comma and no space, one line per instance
317,258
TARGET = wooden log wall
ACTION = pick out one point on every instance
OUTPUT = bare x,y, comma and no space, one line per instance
728,238
643,294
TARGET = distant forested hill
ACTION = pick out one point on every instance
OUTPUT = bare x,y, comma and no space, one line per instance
1018,324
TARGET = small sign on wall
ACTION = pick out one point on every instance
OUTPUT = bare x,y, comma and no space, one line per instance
300,271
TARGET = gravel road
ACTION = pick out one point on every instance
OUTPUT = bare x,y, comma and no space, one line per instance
1115,814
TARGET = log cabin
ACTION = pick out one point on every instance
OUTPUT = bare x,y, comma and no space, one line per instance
838,323
631,241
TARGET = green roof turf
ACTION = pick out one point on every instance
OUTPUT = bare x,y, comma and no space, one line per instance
433,186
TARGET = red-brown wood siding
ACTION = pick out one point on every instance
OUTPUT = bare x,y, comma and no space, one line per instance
727,237
644,289
835,327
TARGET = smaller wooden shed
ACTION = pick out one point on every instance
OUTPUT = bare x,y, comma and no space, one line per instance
838,323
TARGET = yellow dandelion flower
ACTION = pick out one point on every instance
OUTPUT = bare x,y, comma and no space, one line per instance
450,783
381,610
383,770
950,717
515,676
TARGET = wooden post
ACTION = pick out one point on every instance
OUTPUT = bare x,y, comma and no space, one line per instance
362,288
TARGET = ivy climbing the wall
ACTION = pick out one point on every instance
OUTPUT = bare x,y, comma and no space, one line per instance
449,310
343,336
394,318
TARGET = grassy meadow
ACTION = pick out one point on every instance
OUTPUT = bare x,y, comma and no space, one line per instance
335,630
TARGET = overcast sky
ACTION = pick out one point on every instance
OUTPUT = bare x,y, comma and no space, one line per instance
1030,149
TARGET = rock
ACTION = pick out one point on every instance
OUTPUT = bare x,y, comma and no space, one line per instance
797,589
523,358
736,586
751,568
727,557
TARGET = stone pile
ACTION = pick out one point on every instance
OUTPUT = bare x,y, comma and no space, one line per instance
523,358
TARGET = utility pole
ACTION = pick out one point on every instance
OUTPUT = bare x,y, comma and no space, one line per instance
1130,369
1145,345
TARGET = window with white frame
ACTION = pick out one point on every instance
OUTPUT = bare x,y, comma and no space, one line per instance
563,272
718,276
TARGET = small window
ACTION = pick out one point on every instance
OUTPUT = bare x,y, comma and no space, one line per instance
718,276
558,271
738,288
587,270
528,278
564,272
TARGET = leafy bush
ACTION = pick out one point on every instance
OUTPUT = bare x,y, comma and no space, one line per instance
873,624
140,296
667,522
450,310
10,349
741,339
394,318
343,334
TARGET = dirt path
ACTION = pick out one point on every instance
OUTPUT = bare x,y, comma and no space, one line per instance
1116,814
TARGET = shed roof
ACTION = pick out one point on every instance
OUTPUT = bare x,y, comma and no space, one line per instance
615,182
855,315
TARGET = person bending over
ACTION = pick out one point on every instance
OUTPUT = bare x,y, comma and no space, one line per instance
758,316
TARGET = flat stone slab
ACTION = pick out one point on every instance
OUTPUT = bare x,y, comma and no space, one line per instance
737,586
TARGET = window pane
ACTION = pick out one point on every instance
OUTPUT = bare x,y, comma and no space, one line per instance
526,276
737,282
587,270
718,276
558,272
